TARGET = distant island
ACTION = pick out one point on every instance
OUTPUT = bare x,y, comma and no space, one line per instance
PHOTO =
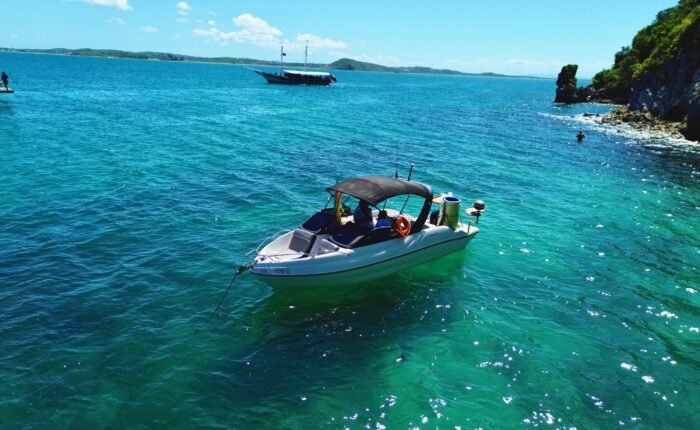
148,55
350,64
342,64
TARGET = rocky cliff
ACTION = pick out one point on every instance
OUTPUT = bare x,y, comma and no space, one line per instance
669,90
660,72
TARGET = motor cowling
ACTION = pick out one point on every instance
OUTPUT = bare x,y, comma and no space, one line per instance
478,206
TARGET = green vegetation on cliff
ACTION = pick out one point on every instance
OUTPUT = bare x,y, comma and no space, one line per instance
653,48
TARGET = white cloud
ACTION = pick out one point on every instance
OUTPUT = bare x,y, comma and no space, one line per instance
175,36
213,33
116,21
149,29
251,29
119,4
183,6
256,30
318,42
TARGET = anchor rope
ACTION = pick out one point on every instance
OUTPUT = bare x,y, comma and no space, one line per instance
239,270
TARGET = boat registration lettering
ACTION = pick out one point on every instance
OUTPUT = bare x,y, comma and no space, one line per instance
280,270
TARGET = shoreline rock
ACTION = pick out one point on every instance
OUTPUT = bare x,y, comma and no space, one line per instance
568,92
653,107
692,131
642,121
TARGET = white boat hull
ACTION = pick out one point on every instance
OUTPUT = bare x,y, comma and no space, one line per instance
337,266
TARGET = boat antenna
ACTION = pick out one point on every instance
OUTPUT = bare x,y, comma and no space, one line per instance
396,163
306,54
410,172
396,171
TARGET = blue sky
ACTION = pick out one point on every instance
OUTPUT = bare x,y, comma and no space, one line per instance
504,36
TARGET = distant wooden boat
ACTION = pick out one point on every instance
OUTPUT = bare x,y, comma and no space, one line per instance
6,91
296,77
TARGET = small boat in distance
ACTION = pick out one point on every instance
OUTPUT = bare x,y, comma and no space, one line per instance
334,248
6,89
296,77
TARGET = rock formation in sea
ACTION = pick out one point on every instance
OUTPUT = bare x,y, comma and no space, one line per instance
567,92
658,74
566,85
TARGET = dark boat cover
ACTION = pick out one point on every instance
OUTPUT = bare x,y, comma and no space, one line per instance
376,189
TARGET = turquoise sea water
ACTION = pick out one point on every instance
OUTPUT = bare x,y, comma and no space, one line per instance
129,190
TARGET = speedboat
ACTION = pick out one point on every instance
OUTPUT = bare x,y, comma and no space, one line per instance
332,249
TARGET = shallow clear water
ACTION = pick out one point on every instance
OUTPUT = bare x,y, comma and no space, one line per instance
131,189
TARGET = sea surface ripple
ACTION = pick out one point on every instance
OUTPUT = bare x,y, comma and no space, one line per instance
131,189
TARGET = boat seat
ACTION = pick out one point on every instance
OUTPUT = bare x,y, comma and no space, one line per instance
320,222
377,235
346,236
302,241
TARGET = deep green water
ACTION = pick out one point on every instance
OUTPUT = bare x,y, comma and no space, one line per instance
129,190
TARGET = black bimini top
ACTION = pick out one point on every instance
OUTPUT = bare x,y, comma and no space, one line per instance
376,189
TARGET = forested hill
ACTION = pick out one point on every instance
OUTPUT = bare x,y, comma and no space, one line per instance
350,64
342,64
660,71
162,56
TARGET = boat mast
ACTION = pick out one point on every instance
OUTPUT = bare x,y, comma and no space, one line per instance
306,54
281,58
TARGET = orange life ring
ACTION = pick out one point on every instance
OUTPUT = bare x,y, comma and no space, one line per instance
402,226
